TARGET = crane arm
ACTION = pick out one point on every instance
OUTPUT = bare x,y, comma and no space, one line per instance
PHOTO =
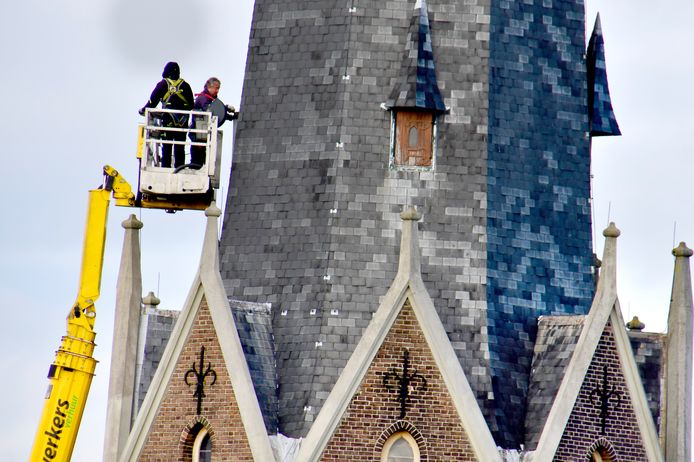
70,375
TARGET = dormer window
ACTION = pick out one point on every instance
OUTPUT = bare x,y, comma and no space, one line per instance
415,100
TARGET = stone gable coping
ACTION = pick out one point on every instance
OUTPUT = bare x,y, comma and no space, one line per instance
207,284
407,284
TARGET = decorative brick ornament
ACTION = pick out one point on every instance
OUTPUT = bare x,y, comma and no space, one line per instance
200,374
604,396
404,383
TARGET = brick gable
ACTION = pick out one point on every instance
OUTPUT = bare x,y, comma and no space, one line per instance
373,413
583,430
172,432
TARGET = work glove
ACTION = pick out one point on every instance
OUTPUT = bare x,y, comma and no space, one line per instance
231,113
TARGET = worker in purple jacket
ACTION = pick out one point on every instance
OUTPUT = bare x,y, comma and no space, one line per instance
207,101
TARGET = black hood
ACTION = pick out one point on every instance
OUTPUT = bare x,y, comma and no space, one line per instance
171,71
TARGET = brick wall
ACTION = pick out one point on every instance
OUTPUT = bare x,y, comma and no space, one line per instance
172,433
374,413
622,437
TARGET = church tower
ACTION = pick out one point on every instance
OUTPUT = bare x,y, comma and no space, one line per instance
479,114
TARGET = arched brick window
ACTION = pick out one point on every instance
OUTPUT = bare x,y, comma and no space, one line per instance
197,441
401,442
602,451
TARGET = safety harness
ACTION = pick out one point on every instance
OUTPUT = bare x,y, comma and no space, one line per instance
175,90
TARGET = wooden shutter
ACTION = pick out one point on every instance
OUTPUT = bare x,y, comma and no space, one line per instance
413,138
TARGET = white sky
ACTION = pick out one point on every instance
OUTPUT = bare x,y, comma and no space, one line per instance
75,72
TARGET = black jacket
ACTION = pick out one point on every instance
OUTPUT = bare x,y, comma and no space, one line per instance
181,100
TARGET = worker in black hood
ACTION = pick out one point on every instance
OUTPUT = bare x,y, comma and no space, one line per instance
171,71
174,93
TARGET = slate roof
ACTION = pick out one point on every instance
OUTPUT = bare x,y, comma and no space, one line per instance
649,352
539,250
312,217
155,329
603,122
254,325
556,340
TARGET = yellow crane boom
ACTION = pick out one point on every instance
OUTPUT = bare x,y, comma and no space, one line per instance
188,187
70,375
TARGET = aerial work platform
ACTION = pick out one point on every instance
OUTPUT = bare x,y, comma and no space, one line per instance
188,186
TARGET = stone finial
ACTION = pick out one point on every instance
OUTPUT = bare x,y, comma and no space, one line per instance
213,210
132,222
410,213
635,324
151,300
611,231
608,267
682,251
409,244
596,263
